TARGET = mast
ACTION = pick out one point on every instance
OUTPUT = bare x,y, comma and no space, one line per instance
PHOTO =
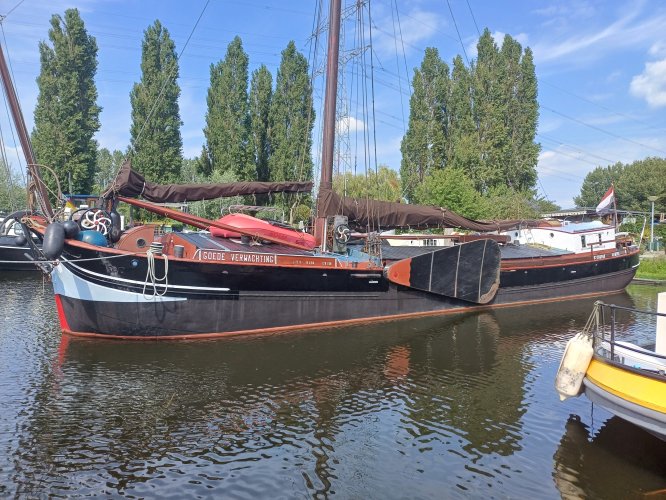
328,143
24,138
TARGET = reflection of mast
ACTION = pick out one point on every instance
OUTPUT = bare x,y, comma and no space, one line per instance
35,184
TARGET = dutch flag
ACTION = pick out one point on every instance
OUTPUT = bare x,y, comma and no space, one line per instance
604,205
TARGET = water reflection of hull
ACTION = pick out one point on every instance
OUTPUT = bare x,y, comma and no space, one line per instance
536,317
619,461
214,403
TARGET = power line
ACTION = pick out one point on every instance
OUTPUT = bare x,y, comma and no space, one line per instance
590,101
599,129
473,18
457,31
2,18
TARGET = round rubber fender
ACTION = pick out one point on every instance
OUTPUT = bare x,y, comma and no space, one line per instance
71,229
54,241
115,232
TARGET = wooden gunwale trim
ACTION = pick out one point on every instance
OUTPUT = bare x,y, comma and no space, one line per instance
560,260
281,260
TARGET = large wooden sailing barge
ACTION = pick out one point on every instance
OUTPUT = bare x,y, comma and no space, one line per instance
141,285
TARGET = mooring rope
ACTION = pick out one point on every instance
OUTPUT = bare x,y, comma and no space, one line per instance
152,277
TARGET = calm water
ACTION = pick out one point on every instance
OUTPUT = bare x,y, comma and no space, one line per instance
452,407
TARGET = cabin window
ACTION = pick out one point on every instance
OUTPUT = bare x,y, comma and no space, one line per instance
552,235
429,243
582,240
599,238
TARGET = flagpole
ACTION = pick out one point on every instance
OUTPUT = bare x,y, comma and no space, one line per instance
614,206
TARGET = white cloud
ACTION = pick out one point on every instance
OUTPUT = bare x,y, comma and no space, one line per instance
625,32
349,124
651,84
416,26
658,49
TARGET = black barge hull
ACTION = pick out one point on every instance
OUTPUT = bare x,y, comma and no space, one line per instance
112,298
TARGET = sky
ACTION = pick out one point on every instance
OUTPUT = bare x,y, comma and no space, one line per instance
601,67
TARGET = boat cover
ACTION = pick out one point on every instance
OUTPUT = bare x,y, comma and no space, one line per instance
363,213
132,184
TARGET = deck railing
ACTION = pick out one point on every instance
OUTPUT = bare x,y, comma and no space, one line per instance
605,327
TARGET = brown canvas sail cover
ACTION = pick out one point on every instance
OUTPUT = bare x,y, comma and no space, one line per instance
132,184
390,215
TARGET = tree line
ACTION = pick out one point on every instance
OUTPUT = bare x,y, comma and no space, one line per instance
264,134
633,183
469,143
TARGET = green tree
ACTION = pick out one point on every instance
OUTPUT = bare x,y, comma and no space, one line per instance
463,145
227,119
155,131
596,183
424,146
383,185
66,115
290,122
639,180
291,118
108,164
12,190
261,92
451,188
503,202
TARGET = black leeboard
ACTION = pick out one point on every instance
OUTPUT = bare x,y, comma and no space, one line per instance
467,272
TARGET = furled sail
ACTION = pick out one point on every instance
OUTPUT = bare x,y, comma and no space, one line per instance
131,184
390,215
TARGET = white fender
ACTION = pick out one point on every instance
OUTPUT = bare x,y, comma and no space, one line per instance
575,360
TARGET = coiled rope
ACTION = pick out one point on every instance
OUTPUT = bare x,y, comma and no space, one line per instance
152,277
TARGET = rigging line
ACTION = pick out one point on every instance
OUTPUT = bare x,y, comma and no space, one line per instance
599,129
402,42
5,98
543,189
10,181
312,58
590,101
11,129
372,91
2,18
473,18
397,64
457,31
168,78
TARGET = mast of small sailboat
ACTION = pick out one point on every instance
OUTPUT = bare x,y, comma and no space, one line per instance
33,170
328,144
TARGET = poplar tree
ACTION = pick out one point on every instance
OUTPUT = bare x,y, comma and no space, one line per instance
108,164
261,92
490,112
291,118
67,115
519,90
155,131
424,147
463,144
227,119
